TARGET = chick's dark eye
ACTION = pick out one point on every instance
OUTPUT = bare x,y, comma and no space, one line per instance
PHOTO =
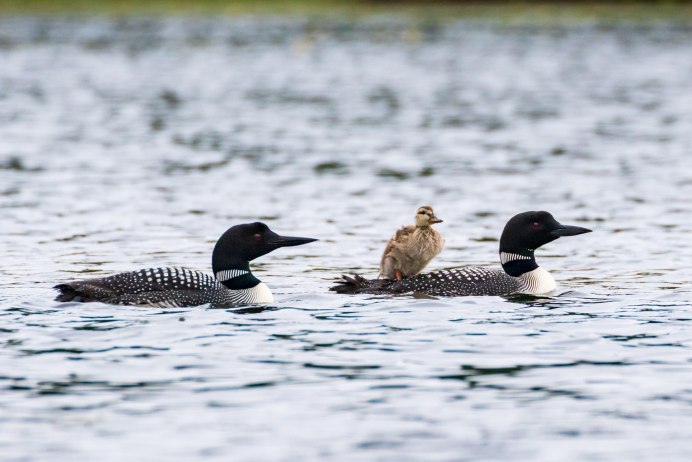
536,225
257,236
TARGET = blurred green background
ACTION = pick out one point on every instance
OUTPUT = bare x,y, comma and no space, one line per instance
516,11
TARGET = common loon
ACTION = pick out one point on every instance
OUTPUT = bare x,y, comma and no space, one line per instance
522,235
233,283
412,247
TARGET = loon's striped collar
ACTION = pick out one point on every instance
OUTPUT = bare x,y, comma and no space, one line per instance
508,256
227,275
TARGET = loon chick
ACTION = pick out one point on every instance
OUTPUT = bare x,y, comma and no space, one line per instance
233,283
412,247
523,234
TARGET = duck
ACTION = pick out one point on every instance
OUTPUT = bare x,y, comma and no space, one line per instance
412,247
520,274
232,284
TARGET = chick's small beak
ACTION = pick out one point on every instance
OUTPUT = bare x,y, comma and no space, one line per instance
434,219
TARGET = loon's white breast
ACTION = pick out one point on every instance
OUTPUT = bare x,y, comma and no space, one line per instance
260,294
537,282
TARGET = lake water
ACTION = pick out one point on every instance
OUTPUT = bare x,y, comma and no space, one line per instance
135,143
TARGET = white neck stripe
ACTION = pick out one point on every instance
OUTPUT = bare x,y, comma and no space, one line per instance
507,257
230,274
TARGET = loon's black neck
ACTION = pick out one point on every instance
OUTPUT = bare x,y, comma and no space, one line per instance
516,262
233,273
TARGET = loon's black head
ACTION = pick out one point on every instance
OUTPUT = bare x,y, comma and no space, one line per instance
526,232
243,243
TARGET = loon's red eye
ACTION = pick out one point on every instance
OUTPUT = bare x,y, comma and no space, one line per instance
536,224
257,236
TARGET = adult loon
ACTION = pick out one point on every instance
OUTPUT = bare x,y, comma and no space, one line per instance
233,283
522,235
412,247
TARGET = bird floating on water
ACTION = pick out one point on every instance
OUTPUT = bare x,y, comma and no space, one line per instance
412,247
522,235
233,283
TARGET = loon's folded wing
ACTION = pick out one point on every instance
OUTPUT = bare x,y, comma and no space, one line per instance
152,286
447,282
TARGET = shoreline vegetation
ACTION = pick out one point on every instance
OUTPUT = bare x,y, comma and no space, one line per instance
508,11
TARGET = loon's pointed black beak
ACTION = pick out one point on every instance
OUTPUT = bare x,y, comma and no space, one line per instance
567,230
289,241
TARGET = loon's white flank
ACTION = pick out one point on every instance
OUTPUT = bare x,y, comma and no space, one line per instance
537,282
258,295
